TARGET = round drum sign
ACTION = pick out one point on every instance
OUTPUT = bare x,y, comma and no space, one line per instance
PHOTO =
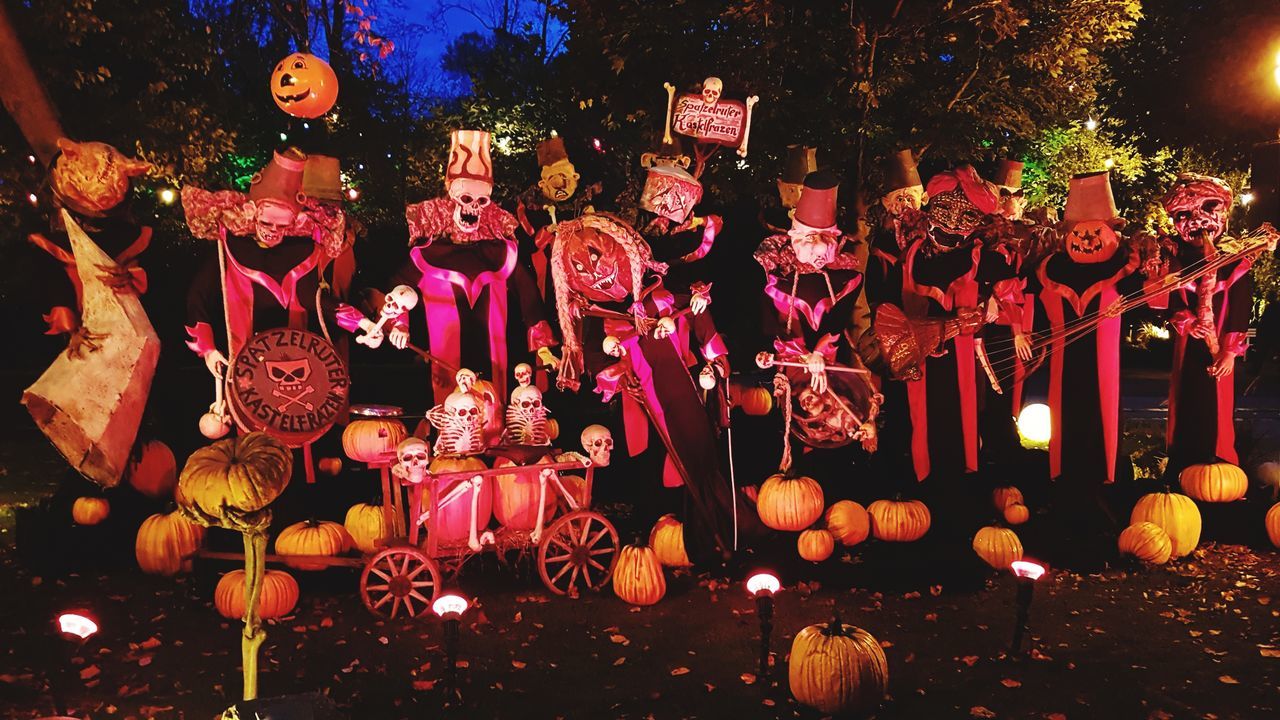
290,384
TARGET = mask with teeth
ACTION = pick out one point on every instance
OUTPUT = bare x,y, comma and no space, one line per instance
470,198
600,268
1199,207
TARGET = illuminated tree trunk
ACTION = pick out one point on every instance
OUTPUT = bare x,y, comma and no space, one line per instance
23,95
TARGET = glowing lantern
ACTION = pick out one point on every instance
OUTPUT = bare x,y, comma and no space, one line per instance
1035,426
73,623
304,86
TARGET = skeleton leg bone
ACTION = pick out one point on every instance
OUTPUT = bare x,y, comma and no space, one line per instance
476,483
536,535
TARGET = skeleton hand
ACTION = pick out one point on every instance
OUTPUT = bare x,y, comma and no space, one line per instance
817,365
82,341
548,358
567,379
216,362
1022,346
372,337
399,338
1114,309
1223,365
701,299
664,328
119,279
867,435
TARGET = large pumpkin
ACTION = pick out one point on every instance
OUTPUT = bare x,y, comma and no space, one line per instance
756,401
515,497
838,669
304,86
453,526
90,510
166,543
323,538
1146,541
1016,513
848,522
373,439
667,540
815,545
242,473
279,595
1215,482
1273,524
1003,497
1176,514
153,471
637,576
366,524
998,547
789,503
899,520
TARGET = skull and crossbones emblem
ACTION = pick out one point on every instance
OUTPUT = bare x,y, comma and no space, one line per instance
290,378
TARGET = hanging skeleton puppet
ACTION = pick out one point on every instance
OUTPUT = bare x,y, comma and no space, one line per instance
482,307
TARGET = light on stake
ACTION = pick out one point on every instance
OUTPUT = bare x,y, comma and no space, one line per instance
762,586
1027,573
450,608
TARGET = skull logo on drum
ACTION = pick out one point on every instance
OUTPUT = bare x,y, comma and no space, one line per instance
289,375
598,442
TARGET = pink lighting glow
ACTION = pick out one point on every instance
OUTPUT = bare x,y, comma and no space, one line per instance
76,624
1025,569
449,605
763,582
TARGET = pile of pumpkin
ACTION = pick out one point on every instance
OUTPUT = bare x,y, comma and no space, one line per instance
152,471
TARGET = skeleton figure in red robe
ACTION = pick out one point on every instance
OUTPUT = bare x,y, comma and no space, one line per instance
482,307
1209,319
620,324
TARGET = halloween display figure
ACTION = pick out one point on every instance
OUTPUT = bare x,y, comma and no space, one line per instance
1209,318
597,440
947,277
613,306
555,197
801,160
304,86
482,307
526,421
1084,279
413,459
893,222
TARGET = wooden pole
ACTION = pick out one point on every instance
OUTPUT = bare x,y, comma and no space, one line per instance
24,97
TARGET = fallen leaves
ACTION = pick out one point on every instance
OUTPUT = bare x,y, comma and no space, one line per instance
979,711
1010,683
1228,680
675,672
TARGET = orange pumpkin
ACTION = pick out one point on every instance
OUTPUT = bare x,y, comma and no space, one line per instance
304,86
553,429
279,595
577,487
1273,524
322,538
816,545
998,547
235,475
153,471
515,497
899,520
90,510
637,576
373,440
789,503
1016,513
1176,514
838,669
1003,497
366,524
756,401
166,544
453,526
1215,482
1146,541
848,522
667,540
330,466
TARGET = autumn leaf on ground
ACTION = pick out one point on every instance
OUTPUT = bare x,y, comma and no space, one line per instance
619,639
680,671
748,678
969,660
1010,683
1228,680
978,711
619,661
423,684
517,665
1269,651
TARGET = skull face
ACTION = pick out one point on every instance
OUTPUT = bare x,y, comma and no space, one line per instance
271,222
463,408
470,198
413,455
289,375
527,398
1200,219
899,200
598,266
712,87
524,374
1091,241
664,328
613,346
466,380
559,181
598,442
1013,203
400,300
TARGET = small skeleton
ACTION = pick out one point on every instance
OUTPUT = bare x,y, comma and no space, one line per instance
598,442
527,417
458,421
413,457
400,300
466,380
524,374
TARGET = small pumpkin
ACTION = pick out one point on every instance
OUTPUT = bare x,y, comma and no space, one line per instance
998,547
153,471
1214,482
1176,514
667,540
515,497
330,466
553,429
304,86
1273,524
366,524
454,523
90,510
756,401
816,545
576,486
1016,513
373,440
789,503
242,474
279,595
848,522
899,520
637,576
1003,497
323,538
166,544
838,669
1146,541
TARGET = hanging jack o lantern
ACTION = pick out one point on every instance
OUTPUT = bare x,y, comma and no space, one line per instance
304,86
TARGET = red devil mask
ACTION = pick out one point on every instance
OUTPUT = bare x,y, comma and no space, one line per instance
598,266
1198,206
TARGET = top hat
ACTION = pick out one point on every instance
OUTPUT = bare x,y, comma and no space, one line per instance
817,206
469,156
900,171
801,160
1089,198
322,178
551,151
1008,174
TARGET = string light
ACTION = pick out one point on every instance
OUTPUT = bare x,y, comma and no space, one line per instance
284,138
1090,124
167,196
1108,163
31,198
353,194
1247,198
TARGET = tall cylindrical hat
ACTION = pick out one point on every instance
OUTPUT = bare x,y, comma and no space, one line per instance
901,172
817,206
1089,198
469,157
801,160
322,178
551,151
1008,174
281,179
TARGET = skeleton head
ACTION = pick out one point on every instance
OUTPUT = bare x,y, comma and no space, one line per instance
524,374
712,87
400,300
598,442
463,407
1199,206
466,380
613,347
527,417
665,327
413,455
470,197
289,375
527,398
271,221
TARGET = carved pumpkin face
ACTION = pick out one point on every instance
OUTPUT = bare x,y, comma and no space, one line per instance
1091,241
599,268
304,86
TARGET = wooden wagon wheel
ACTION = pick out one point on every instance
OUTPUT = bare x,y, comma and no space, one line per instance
579,547
399,577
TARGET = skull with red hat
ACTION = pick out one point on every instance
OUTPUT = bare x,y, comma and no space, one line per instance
469,177
815,238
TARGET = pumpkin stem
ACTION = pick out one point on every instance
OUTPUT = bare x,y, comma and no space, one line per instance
835,628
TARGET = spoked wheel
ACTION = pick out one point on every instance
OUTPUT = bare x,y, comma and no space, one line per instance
399,580
577,550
